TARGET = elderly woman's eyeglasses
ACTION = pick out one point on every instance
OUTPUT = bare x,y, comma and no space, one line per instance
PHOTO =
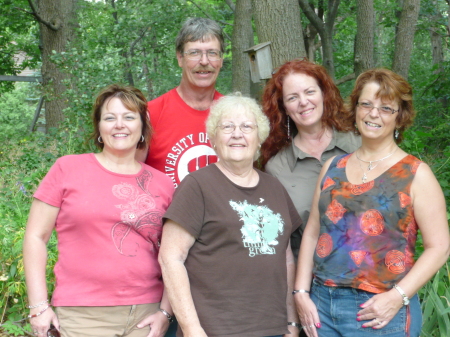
197,54
384,110
246,127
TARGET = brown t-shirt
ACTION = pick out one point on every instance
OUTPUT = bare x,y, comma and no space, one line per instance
237,265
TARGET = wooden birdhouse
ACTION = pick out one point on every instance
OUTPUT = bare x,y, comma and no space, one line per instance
260,59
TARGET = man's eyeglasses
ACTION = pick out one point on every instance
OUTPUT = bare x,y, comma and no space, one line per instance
246,127
385,110
197,54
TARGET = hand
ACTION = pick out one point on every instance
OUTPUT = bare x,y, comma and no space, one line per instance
307,312
41,324
380,309
158,323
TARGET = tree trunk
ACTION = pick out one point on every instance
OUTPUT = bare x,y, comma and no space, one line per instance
127,58
57,22
242,40
448,17
279,21
378,54
436,37
364,43
147,77
437,41
404,37
325,30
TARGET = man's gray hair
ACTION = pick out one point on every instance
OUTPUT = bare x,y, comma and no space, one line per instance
196,29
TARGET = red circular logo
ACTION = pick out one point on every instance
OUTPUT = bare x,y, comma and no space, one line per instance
372,222
324,245
395,261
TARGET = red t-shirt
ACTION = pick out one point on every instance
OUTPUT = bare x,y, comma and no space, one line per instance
179,143
109,226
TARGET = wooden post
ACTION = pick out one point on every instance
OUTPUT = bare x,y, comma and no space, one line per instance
37,113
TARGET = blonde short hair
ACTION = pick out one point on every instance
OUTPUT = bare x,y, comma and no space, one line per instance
229,103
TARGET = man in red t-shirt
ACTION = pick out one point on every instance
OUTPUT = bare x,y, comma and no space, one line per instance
179,143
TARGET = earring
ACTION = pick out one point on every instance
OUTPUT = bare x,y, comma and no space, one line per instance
396,134
142,138
288,128
100,139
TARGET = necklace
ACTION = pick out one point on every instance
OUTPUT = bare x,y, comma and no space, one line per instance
370,167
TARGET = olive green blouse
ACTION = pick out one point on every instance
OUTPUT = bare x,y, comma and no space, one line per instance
298,172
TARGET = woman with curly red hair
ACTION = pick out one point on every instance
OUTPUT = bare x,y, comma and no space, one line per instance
306,114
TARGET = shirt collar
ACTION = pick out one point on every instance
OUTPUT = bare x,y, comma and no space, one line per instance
340,140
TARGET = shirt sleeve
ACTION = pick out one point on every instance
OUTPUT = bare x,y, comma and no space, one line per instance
188,206
51,189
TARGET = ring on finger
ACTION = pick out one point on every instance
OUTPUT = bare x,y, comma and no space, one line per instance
378,321
311,326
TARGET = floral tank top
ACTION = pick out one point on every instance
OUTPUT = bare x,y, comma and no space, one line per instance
367,231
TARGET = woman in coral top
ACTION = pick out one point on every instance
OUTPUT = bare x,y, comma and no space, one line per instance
107,210
358,246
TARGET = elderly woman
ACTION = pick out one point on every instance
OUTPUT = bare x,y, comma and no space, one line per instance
107,211
225,252
358,246
306,113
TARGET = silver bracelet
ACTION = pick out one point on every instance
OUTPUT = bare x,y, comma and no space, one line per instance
169,316
405,299
37,305
297,325
300,291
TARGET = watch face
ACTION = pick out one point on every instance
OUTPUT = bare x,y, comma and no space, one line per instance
406,301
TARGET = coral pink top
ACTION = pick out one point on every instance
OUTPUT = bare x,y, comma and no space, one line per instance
109,226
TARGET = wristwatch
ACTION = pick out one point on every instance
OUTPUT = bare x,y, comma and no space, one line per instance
405,299
295,324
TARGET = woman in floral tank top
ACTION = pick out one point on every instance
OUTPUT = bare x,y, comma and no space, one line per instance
358,246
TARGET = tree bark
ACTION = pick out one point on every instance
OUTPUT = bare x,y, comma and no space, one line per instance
436,37
242,39
404,37
364,42
128,59
279,21
437,41
57,23
325,30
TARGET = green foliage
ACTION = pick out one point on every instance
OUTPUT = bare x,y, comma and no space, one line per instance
23,163
133,43
435,297
18,34
16,111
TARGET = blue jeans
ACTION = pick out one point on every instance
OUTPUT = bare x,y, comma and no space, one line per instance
338,306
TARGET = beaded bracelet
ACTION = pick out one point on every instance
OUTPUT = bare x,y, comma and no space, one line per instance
37,305
39,313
